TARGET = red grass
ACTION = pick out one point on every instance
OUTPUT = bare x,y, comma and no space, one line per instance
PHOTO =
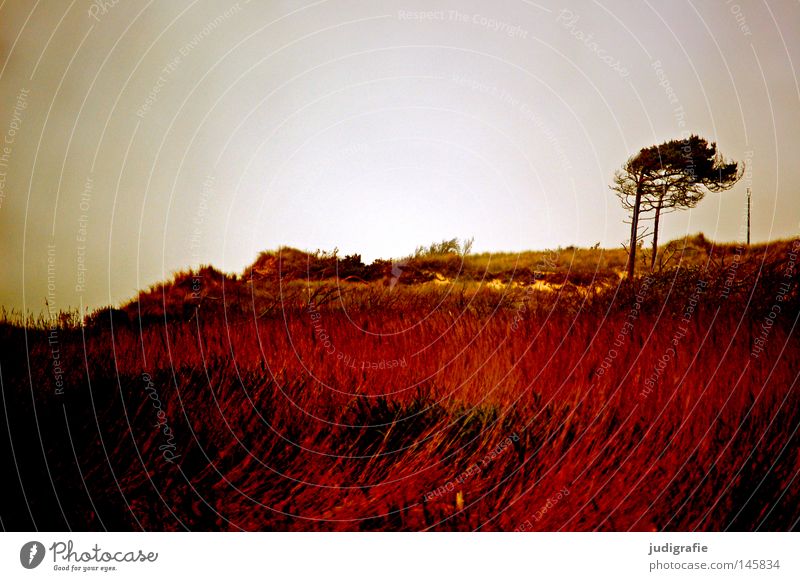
499,414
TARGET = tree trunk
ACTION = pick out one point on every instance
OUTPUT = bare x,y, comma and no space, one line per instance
655,239
634,232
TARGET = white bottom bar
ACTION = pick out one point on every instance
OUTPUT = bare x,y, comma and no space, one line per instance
402,556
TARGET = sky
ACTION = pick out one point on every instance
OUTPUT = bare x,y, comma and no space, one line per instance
139,138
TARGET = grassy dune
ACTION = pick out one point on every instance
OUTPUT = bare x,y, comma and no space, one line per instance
494,392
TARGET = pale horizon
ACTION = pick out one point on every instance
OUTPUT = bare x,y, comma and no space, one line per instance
149,139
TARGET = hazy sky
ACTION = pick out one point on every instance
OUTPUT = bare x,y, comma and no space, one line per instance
139,138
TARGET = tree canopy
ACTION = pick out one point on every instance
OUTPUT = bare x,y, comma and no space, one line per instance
673,175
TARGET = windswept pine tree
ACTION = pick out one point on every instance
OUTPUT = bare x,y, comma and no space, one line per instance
674,175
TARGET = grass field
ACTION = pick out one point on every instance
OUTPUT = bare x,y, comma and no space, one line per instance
442,392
